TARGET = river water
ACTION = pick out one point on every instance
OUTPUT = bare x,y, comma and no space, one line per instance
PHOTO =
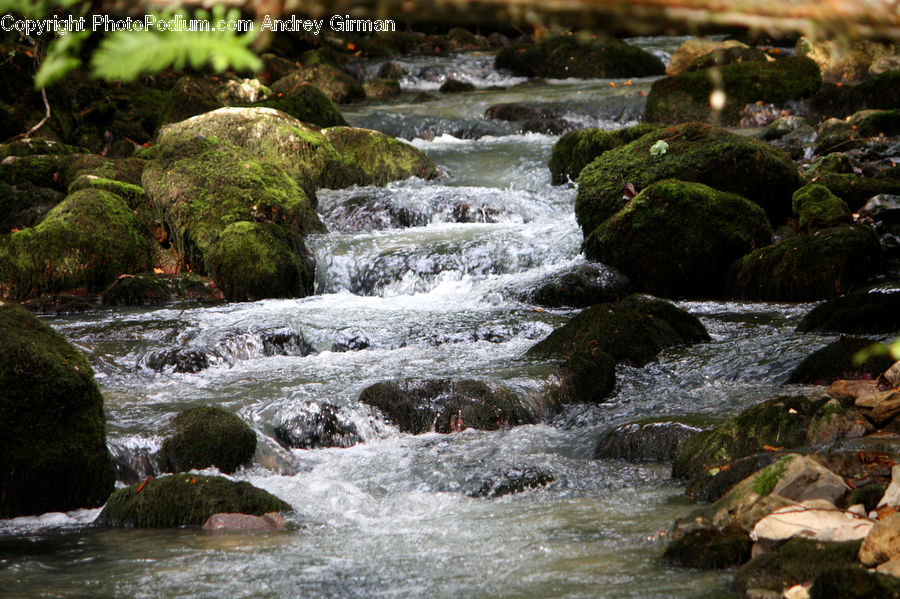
392,516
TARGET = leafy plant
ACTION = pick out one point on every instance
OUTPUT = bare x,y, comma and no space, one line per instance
659,148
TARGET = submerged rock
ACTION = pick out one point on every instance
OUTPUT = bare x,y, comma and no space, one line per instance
836,361
317,425
678,239
444,405
565,56
53,457
582,286
179,360
508,481
207,437
633,330
455,86
645,441
185,500
861,312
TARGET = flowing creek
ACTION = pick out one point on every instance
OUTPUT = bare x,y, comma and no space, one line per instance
391,517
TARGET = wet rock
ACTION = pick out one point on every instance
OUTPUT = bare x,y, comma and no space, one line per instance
815,519
334,83
836,361
810,266
586,377
875,311
883,543
207,437
372,213
818,208
696,153
391,70
796,561
798,143
438,404
576,149
508,481
883,207
155,289
351,342
514,111
833,422
47,385
709,548
645,441
678,239
633,330
455,86
686,97
185,500
179,360
691,50
582,286
244,523
381,89
315,426
59,303
564,56
782,126
780,422
307,103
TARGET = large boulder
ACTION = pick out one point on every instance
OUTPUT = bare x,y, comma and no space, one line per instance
191,96
836,361
185,500
633,330
577,149
809,267
53,456
678,239
686,97
581,286
695,152
335,83
444,405
566,56
86,241
860,312
205,437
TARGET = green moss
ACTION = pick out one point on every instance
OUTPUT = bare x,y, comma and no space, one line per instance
185,500
868,495
40,170
53,456
809,267
253,260
856,189
201,185
633,330
133,194
796,561
373,158
836,162
85,241
769,477
577,149
853,582
878,92
32,147
697,153
139,290
306,103
836,361
880,122
860,312
709,548
207,437
780,422
678,239
685,97
576,56
818,208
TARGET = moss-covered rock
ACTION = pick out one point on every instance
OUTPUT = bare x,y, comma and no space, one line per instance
25,205
868,495
334,83
810,266
581,286
878,92
577,149
185,500
686,97
191,96
455,86
207,437
53,456
307,103
780,422
796,561
633,330
254,260
861,312
870,123
835,361
436,405
201,185
153,289
373,158
566,56
835,162
38,147
854,582
856,189
86,241
709,548
678,239
587,377
818,208
697,153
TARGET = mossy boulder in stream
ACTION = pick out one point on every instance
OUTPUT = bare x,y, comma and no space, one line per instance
860,312
809,267
678,239
855,189
86,241
373,158
697,153
686,96
185,500
817,208
53,456
207,437
836,361
566,56
421,406
577,149
306,103
633,330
